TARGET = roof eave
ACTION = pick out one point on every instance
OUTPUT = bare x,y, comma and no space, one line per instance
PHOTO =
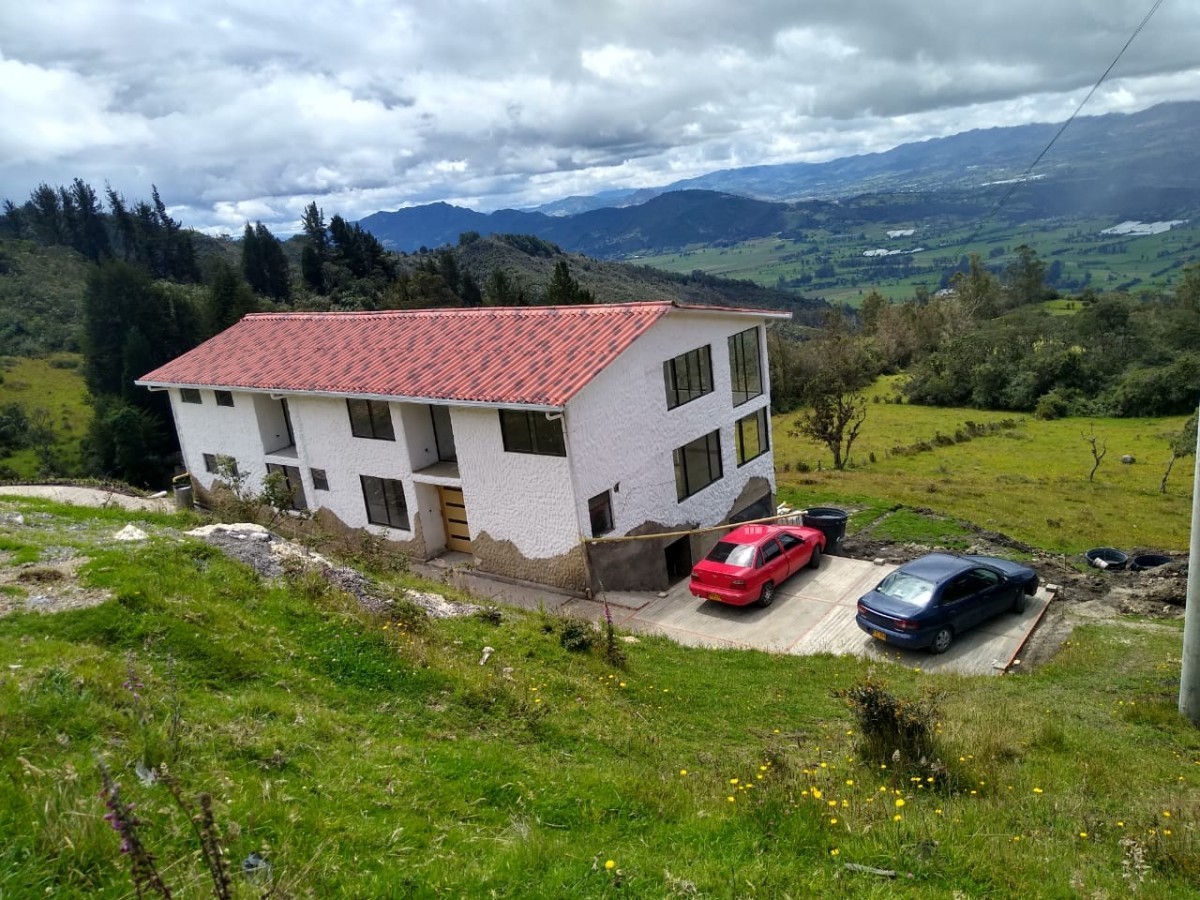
341,395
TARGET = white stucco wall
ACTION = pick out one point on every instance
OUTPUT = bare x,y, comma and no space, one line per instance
321,426
522,497
620,429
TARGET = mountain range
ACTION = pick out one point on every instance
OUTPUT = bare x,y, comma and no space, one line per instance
1143,165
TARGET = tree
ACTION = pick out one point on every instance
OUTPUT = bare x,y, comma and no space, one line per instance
1183,445
229,299
263,263
563,289
1025,278
315,254
1099,448
836,368
870,309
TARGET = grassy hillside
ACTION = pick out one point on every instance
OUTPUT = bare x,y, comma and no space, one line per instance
51,391
1029,481
375,756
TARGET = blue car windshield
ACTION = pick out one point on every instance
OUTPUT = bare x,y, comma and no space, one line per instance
741,555
906,588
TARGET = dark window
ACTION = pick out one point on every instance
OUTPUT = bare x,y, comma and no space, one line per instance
218,464
688,376
292,483
789,541
443,433
190,395
600,511
384,498
697,464
525,431
770,550
752,435
960,587
745,370
319,480
371,419
224,398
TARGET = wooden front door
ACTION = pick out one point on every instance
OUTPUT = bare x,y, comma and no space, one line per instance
454,518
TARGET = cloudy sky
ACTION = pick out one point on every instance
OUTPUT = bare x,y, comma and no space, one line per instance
250,110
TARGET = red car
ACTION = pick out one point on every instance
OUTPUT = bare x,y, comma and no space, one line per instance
750,562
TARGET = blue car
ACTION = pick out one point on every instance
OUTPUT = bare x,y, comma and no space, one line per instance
930,601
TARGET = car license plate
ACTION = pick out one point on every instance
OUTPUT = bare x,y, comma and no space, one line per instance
716,597
879,635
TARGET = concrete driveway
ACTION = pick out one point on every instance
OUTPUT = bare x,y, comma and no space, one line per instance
814,613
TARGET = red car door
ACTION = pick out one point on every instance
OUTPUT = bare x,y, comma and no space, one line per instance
775,563
797,551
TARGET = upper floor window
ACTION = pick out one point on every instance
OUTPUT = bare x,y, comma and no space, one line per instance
371,419
526,431
190,395
697,464
688,376
752,434
224,398
745,367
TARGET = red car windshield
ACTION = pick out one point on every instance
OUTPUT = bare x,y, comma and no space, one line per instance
740,555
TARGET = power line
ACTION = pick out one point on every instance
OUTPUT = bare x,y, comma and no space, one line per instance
1017,182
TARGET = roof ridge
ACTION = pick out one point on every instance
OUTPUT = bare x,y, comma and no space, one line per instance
467,310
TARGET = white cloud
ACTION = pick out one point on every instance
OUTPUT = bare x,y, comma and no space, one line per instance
243,110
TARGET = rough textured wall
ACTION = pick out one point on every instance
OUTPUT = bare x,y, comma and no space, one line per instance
566,570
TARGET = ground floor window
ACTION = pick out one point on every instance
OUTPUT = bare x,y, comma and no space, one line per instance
384,498
218,464
697,464
752,434
291,483
600,511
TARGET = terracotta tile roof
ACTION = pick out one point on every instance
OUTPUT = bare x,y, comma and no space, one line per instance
524,356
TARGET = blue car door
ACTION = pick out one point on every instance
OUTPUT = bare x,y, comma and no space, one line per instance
956,606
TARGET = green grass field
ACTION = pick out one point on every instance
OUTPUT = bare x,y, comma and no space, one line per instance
374,756
1103,262
51,388
1029,482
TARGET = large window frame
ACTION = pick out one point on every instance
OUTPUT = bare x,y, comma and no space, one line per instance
697,465
688,376
752,436
527,431
385,502
371,419
294,483
745,365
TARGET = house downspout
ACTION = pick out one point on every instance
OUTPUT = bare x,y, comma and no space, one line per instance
587,563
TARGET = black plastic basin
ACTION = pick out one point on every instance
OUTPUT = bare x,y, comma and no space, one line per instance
1148,561
1107,558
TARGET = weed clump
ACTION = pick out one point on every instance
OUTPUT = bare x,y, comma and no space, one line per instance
894,730
577,636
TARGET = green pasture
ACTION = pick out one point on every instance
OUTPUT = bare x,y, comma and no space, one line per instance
374,756
1029,481
1103,262
51,391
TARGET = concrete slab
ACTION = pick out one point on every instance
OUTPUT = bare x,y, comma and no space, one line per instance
813,613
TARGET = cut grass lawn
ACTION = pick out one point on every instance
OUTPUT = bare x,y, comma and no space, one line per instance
377,757
1029,481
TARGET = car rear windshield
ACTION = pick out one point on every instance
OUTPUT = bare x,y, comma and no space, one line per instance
732,554
907,588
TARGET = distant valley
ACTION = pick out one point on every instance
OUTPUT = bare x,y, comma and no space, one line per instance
815,227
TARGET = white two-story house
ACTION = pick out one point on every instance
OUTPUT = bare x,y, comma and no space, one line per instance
513,434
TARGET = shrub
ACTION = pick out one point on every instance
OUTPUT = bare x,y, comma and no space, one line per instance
577,636
893,730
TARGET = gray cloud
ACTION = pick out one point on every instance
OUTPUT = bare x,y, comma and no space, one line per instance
245,110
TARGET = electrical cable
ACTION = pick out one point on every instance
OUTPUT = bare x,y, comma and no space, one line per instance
1017,182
